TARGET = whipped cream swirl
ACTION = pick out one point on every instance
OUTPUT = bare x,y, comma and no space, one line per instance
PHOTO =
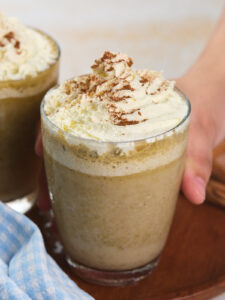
23,51
115,102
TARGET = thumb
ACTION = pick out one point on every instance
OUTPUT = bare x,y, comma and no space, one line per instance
198,164
43,197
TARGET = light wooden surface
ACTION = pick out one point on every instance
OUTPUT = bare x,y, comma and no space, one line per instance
162,35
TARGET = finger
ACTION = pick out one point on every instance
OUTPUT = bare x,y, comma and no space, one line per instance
43,200
43,197
198,165
38,144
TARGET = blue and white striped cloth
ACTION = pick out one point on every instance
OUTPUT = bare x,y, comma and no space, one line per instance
26,270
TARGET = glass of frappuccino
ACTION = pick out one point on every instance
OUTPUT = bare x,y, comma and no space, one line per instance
114,149
29,61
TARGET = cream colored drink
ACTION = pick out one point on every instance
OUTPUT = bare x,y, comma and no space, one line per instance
28,68
114,144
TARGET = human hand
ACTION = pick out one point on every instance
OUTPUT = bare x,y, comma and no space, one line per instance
207,129
43,196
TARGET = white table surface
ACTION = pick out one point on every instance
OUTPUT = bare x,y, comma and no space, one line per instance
164,35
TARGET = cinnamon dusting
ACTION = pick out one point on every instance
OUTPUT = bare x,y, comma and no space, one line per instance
125,122
111,87
17,45
162,87
143,80
108,55
10,37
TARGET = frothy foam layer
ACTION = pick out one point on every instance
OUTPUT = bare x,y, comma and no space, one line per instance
107,159
114,169
23,51
32,87
115,102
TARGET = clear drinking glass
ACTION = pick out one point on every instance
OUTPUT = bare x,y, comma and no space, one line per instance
114,202
19,114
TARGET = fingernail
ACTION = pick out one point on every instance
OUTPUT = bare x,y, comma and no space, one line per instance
200,186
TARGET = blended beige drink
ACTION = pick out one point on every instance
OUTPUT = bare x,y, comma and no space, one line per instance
28,68
114,146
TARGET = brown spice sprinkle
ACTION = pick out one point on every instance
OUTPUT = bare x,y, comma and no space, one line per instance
118,118
67,92
108,55
125,122
118,99
147,78
130,112
110,69
143,80
17,45
164,86
114,84
130,62
88,85
103,81
128,87
10,37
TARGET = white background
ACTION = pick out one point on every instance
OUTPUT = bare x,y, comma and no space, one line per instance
159,34
164,35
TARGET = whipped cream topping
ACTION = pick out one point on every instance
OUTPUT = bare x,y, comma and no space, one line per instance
115,102
23,51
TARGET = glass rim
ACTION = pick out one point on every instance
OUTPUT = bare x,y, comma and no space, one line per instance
49,66
73,136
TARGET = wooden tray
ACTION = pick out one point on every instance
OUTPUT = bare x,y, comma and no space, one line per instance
192,265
